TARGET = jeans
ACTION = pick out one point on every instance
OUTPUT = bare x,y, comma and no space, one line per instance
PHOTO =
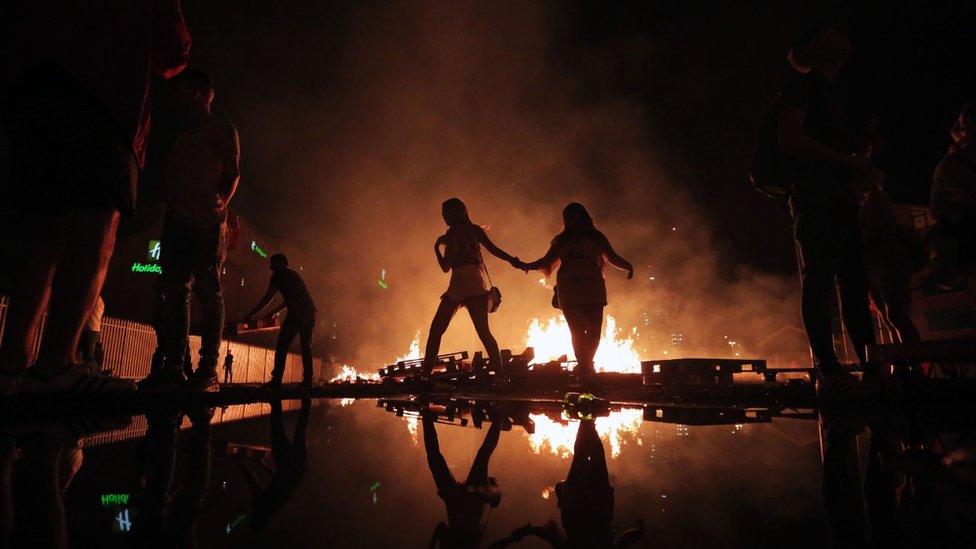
191,259
830,252
295,324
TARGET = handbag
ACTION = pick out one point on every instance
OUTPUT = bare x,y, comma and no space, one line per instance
494,294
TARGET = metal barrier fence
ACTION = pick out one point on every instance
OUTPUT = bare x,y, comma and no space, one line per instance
128,350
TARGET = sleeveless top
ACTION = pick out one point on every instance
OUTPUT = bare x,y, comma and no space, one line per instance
579,280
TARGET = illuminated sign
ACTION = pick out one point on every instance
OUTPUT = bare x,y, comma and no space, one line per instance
152,268
114,499
258,250
154,250
123,522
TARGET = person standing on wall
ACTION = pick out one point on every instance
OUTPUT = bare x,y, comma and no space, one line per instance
815,134
300,320
203,172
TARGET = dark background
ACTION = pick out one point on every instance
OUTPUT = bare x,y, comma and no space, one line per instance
704,71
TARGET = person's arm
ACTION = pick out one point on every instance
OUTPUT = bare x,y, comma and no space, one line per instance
792,141
171,39
268,296
495,250
613,258
546,263
442,261
229,147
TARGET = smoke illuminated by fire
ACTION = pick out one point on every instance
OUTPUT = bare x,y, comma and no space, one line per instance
551,340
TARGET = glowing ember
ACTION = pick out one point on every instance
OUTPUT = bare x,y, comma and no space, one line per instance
551,340
558,438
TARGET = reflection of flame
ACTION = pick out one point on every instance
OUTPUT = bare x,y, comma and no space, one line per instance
412,423
551,340
559,438
346,402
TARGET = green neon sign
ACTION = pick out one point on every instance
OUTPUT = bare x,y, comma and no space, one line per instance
258,250
109,500
152,268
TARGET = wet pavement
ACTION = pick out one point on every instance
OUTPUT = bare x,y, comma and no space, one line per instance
574,472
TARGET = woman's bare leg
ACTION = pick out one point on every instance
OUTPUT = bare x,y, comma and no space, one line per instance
478,309
585,323
442,319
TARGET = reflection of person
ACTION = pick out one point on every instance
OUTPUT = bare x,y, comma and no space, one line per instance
816,137
299,321
77,116
290,465
162,515
467,502
580,252
585,500
469,286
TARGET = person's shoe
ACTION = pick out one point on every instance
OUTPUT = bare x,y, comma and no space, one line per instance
272,384
161,379
72,381
204,379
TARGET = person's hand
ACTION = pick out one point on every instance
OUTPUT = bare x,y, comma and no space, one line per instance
441,240
630,272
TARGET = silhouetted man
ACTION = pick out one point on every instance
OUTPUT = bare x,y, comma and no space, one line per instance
202,173
299,321
77,117
816,137
290,466
228,366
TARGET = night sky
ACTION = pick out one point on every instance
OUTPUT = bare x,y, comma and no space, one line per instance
702,72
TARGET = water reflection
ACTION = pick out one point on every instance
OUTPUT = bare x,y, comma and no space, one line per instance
315,474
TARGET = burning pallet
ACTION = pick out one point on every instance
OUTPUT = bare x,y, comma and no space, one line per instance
453,367
699,371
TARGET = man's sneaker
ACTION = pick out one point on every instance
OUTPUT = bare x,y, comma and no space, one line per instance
163,378
204,379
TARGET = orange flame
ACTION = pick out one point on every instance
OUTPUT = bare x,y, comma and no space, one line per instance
559,438
551,340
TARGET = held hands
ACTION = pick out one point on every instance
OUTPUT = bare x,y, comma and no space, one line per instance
519,264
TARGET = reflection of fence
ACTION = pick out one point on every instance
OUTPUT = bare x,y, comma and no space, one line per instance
235,412
128,352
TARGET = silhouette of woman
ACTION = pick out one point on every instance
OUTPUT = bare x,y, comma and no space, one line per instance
469,285
467,502
585,500
580,252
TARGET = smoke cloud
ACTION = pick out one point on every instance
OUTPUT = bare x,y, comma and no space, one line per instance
423,101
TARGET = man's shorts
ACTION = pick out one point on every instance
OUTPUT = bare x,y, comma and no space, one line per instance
67,152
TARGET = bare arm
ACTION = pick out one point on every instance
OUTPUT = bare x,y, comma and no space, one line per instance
268,296
615,258
546,263
495,250
229,147
442,261
171,39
